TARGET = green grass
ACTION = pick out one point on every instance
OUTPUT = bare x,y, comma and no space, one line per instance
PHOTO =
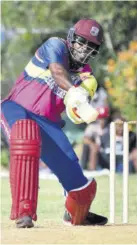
51,199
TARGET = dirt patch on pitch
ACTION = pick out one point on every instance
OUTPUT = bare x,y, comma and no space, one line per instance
54,233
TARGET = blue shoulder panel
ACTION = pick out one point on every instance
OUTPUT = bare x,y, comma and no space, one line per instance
54,50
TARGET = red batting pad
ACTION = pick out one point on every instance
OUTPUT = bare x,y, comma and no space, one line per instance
78,203
25,144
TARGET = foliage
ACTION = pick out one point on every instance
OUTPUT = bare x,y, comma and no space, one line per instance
4,158
121,81
35,21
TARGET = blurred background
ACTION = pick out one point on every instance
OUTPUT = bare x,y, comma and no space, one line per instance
25,25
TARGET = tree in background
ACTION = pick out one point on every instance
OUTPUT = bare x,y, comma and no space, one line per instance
35,21
120,81
29,23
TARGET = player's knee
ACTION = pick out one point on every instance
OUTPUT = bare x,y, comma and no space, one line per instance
78,202
25,138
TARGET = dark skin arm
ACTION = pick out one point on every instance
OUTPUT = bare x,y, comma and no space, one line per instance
61,76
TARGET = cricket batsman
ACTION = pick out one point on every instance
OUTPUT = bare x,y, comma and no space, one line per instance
57,77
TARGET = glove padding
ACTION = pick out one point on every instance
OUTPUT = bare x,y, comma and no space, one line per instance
89,83
76,100
77,107
74,97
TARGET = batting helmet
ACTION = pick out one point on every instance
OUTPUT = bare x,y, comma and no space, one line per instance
86,32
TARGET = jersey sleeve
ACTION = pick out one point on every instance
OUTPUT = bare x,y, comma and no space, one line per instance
54,50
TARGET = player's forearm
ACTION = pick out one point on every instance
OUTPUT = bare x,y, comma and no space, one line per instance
93,160
87,141
61,76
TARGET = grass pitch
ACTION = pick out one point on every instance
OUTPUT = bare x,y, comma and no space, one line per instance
49,228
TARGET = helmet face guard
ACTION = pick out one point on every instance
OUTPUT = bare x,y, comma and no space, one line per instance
88,34
84,51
